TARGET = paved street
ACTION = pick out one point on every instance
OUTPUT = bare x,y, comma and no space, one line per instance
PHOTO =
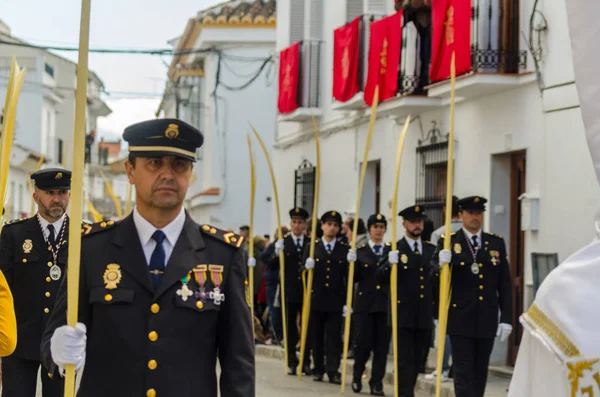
271,381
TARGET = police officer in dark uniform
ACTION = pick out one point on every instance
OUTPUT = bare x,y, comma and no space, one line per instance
415,296
292,247
371,308
33,257
161,297
328,297
481,285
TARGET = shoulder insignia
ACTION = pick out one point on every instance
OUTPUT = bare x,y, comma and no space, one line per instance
287,235
430,243
230,238
494,235
388,244
362,246
87,228
342,243
317,241
451,234
14,221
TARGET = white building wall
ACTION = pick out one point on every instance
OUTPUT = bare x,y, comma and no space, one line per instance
225,160
546,124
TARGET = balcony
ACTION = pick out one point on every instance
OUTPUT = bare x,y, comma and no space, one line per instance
497,62
412,97
413,76
308,97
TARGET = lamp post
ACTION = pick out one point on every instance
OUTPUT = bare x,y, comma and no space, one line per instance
183,92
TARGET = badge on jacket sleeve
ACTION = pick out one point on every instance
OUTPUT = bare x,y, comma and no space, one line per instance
112,276
27,246
457,248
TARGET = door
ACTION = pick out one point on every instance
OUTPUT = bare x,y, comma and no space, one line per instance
517,249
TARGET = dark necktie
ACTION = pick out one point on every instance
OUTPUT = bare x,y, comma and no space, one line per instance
328,247
51,236
475,243
377,249
416,249
298,244
157,260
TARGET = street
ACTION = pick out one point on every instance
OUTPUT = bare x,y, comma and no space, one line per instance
272,381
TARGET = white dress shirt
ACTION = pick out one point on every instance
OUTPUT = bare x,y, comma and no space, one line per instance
145,231
381,245
57,226
470,236
331,243
411,244
296,238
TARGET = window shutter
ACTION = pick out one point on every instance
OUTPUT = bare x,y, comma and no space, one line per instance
354,8
315,21
376,7
296,21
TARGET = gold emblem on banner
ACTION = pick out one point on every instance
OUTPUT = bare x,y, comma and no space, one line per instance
172,131
112,276
457,248
346,63
27,246
287,79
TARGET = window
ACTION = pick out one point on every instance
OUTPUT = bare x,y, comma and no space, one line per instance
304,188
296,20
354,8
432,170
49,69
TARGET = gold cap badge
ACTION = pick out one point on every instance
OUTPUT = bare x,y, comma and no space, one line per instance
333,213
379,217
172,131
417,209
476,199
58,176
112,276
297,209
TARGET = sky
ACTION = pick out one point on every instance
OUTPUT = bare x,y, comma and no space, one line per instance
134,82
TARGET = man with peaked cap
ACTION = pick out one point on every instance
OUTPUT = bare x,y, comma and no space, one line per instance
292,247
559,354
415,296
480,285
370,308
328,297
33,257
161,298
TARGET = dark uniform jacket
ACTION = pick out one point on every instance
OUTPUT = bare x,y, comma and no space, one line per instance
142,342
416,284
26,263
294,287
371,297
476,298
329,277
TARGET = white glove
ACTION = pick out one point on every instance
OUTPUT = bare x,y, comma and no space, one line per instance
67,346
351,256
445,256
251,262
393,257
504,331
310,263
345,311
278,246
436,322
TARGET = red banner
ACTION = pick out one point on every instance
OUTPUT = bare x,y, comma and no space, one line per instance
289,64
384,57
450,31
345,60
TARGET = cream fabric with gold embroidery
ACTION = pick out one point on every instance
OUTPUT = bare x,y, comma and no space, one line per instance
559,354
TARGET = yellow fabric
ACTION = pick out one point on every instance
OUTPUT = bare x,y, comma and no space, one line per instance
8,321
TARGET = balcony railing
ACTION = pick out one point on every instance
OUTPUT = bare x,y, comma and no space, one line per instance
495,37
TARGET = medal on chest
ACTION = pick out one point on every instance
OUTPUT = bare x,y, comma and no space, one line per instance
216,274
184,292
55,271
200,276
